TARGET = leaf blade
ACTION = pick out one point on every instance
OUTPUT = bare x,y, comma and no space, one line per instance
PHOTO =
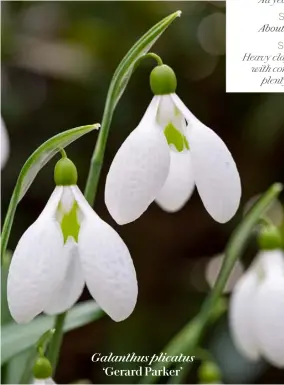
17,338
140,48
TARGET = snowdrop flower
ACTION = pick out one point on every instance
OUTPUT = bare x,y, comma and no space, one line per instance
5,147
45,381
166,155
257,309
65,247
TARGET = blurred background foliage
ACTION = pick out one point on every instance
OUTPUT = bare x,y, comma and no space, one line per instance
57,62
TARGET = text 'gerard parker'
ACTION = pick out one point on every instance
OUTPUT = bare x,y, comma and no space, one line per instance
141,370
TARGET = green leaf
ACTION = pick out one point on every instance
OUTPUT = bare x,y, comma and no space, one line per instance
5,312
33,165
18,337
119,81
140,48
17,365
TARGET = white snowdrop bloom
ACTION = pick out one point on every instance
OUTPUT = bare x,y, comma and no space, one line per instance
257,309
43,381
65,247
5,147
169,153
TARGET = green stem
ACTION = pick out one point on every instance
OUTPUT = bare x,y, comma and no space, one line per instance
55,343
63,153
98,155
7,226
187,339
99,151
154,56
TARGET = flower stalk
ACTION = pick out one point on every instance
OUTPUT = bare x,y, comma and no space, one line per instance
55,344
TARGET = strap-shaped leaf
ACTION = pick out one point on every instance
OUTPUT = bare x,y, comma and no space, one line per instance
140,48
5,312
16,338
33,165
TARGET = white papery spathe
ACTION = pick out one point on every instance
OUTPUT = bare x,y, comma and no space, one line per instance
48,274
146,168
257,309
5,147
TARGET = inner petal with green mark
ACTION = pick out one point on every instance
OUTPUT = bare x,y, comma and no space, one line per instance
69,223
175,138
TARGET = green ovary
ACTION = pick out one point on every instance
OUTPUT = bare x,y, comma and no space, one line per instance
174,137
70,225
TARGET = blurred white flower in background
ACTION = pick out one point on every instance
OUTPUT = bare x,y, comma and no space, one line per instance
257,309
5,147
211,33
213,268
44,381
274,212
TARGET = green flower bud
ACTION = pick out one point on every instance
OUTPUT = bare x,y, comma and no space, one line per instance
42,368
65,173
163,80
270,238
209,373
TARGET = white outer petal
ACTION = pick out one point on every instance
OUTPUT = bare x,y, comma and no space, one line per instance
139,169
215,172
5,147
166,112
73,284
107,264
38,264
179,184
269,308
241,315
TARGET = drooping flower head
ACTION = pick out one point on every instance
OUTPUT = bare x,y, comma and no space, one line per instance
66,247
257,305
169,153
